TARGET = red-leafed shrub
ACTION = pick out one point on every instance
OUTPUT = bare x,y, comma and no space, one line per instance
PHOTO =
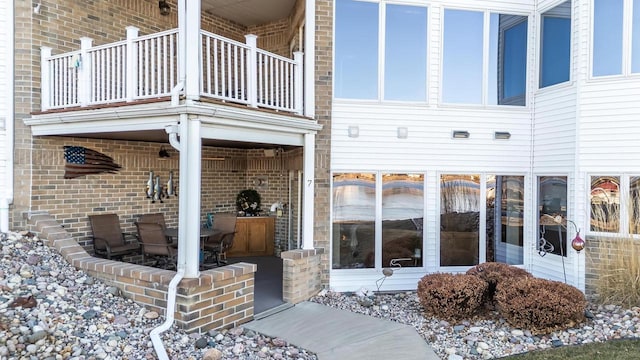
451,296
494,273
540,305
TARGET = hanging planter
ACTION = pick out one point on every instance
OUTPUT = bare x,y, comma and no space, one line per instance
249,201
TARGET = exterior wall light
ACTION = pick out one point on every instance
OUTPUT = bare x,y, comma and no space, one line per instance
354,131
164,7
163,154
460,134
502,135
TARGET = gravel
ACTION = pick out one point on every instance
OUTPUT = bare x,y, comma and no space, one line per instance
484,338
50,310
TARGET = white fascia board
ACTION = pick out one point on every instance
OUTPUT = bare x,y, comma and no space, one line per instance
251,135
101,126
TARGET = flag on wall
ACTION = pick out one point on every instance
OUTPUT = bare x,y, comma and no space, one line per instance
82,161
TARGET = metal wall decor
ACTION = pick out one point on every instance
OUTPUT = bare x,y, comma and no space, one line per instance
156,191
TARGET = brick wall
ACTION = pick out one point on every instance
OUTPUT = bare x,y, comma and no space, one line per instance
69,201
301,274
219,298
615,248
323,75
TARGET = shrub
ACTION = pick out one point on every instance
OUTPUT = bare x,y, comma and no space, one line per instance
540,305
451,296
494,273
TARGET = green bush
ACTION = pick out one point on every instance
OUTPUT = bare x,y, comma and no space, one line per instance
540,305
494,273
451,296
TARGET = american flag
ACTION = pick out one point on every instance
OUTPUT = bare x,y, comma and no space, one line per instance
82,161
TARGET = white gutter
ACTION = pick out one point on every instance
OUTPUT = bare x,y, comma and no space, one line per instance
172,130
7,198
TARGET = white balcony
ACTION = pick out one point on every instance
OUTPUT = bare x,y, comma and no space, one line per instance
146,67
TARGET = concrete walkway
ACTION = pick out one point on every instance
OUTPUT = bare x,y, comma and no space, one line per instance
335,334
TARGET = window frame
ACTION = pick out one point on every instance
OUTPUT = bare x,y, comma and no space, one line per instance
625,201
539,45
627,32
528,17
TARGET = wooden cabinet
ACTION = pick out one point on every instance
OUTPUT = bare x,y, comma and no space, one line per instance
255,236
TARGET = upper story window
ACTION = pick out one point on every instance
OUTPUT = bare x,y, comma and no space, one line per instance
555,45
356,50
357,56
471,76
614,21
405,60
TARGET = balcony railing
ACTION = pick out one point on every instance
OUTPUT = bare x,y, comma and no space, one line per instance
147,67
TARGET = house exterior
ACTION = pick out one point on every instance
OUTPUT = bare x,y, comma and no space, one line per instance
422,136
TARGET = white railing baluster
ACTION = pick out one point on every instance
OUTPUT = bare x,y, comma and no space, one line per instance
216,68
229,91
207,66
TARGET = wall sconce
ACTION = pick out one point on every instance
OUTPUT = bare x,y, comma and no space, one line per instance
354,131
460,134
163,154
164,7
403,132
502,135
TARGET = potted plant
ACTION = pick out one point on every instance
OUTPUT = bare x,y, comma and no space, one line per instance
249,201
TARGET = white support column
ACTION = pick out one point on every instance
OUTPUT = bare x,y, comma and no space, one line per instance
84,72
190,175
192,51
310,59
182,39
308,213
252,59
298,82
45,78
132,63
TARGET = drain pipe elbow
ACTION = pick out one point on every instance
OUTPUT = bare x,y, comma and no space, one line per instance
175,93
173,130
169,316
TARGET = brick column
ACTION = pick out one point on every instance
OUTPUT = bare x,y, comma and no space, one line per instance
301,274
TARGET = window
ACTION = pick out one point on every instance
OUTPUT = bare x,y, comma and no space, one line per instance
405,73
459,220
463,58
354,213
356,50
607,37
402,216
605,203
555,45
462,49
634,205
552,214
505,219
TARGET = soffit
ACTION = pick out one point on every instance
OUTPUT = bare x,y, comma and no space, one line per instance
249,12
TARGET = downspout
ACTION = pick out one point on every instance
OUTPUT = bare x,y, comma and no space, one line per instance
7,198
172,130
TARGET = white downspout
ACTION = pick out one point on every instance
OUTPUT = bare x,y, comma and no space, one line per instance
172,130
7,198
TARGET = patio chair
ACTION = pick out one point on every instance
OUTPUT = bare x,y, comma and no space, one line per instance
157,218
108,239
155,245
224,225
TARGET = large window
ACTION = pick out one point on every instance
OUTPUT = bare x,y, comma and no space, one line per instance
552,215
634,205
505,219
635,38
464,66
459,220
555,45
357,44
355,223
605,203
405,67
607,37
402,213
356,50
354,213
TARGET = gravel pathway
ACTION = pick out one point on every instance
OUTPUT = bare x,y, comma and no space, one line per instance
49,310
484,339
